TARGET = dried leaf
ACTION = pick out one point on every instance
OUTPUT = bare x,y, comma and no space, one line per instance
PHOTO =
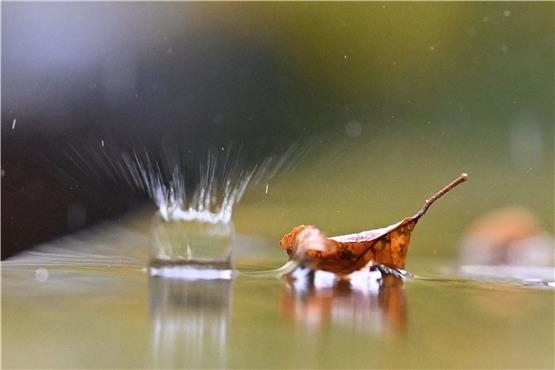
348,253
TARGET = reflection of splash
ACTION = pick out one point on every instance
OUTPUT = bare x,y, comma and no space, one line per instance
369,301
189,322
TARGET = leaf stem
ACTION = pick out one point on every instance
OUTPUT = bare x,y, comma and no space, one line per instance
459,180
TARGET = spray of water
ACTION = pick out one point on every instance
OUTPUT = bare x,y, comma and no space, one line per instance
211,201
183,190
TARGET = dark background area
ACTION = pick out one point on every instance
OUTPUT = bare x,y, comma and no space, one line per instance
81,78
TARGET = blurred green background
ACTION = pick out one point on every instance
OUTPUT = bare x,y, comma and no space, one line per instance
422,92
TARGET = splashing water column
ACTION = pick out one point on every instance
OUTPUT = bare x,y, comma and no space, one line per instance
191,247
192,232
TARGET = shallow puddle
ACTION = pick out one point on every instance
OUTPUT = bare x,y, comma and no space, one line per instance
74,309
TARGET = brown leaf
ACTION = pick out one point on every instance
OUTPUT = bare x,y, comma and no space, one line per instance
348,253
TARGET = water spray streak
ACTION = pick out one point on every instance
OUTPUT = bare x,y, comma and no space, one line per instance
182,191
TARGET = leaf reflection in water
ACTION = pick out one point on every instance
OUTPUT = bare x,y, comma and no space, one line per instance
369,301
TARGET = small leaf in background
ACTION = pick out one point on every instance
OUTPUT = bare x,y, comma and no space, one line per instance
345,254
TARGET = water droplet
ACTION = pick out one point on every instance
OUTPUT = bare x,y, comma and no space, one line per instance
506,13
41,275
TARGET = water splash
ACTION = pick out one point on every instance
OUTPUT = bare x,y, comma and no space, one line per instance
182,188
220,186
212,201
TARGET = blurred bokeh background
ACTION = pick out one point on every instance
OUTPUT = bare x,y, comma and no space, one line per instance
400,98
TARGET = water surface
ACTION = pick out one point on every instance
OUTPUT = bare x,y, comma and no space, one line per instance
71,308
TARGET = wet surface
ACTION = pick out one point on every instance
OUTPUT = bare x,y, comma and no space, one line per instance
74,308
402,98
